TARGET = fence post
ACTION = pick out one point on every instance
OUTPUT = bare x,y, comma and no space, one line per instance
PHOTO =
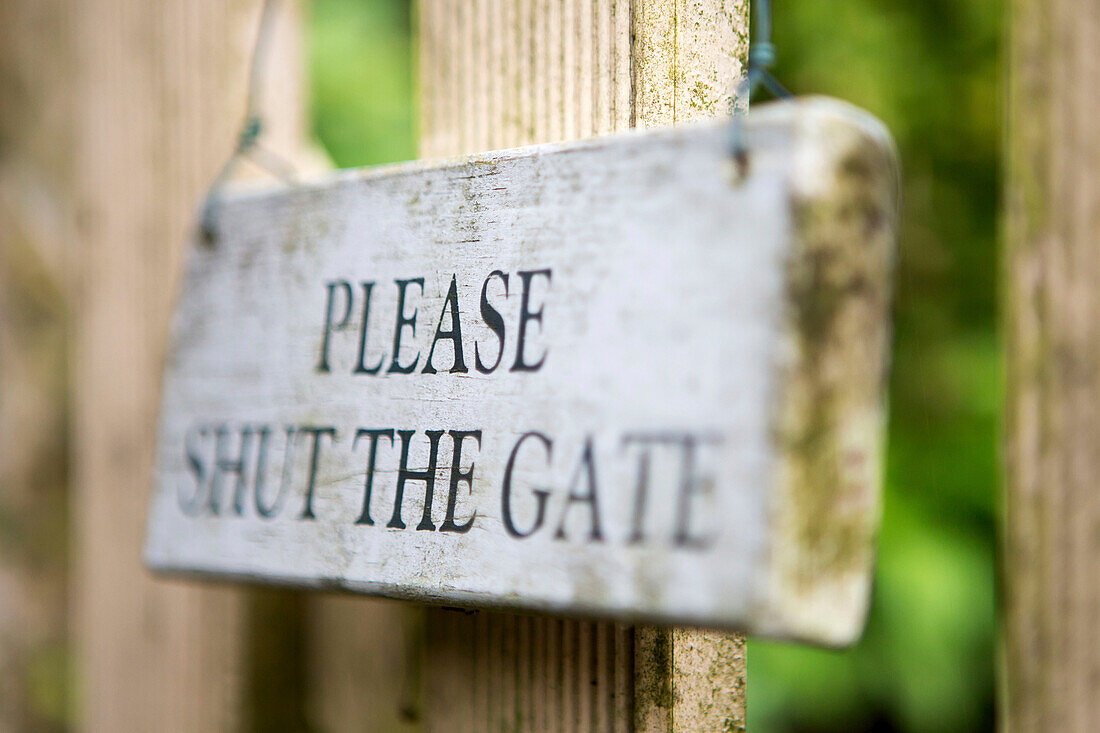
498,73
158,92
1052,311
35,227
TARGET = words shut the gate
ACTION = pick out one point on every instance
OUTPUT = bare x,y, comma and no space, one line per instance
615,378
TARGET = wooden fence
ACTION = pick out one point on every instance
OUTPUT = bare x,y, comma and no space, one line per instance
114,116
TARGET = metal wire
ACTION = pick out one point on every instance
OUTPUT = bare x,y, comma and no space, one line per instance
761,59
251,130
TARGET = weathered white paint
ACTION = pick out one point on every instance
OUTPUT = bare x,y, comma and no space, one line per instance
678,304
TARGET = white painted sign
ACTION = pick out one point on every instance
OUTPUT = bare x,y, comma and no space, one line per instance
601,378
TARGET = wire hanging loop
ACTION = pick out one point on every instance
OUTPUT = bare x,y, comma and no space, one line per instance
762,55
251,130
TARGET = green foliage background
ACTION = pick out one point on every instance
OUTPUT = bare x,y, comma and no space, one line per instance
928,68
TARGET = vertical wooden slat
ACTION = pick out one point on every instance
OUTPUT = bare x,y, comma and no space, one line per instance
363,664
159,92
571,68
1052,339
36,221
653,674
275,673
150,655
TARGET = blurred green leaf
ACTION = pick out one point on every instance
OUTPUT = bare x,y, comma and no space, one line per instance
929,70
360,55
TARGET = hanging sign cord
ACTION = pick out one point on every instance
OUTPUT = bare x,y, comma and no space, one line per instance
761,59
248,139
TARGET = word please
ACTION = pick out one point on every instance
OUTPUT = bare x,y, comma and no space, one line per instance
347,306
235,469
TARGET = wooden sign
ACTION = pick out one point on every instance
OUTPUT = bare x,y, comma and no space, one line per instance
611,378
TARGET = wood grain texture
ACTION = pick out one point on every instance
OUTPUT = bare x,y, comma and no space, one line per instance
159,94
688,57
675,437
364,664
830,426
636,69
1052,645
685,58
781,278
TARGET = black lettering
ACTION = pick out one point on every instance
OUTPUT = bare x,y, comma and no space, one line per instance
459,476
224,464
314,457
586,466
454,335
374,435
330,324
361,367
641,491
506,491
270,510
690,484
427,476
197,468
493,320
404,321
525,316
